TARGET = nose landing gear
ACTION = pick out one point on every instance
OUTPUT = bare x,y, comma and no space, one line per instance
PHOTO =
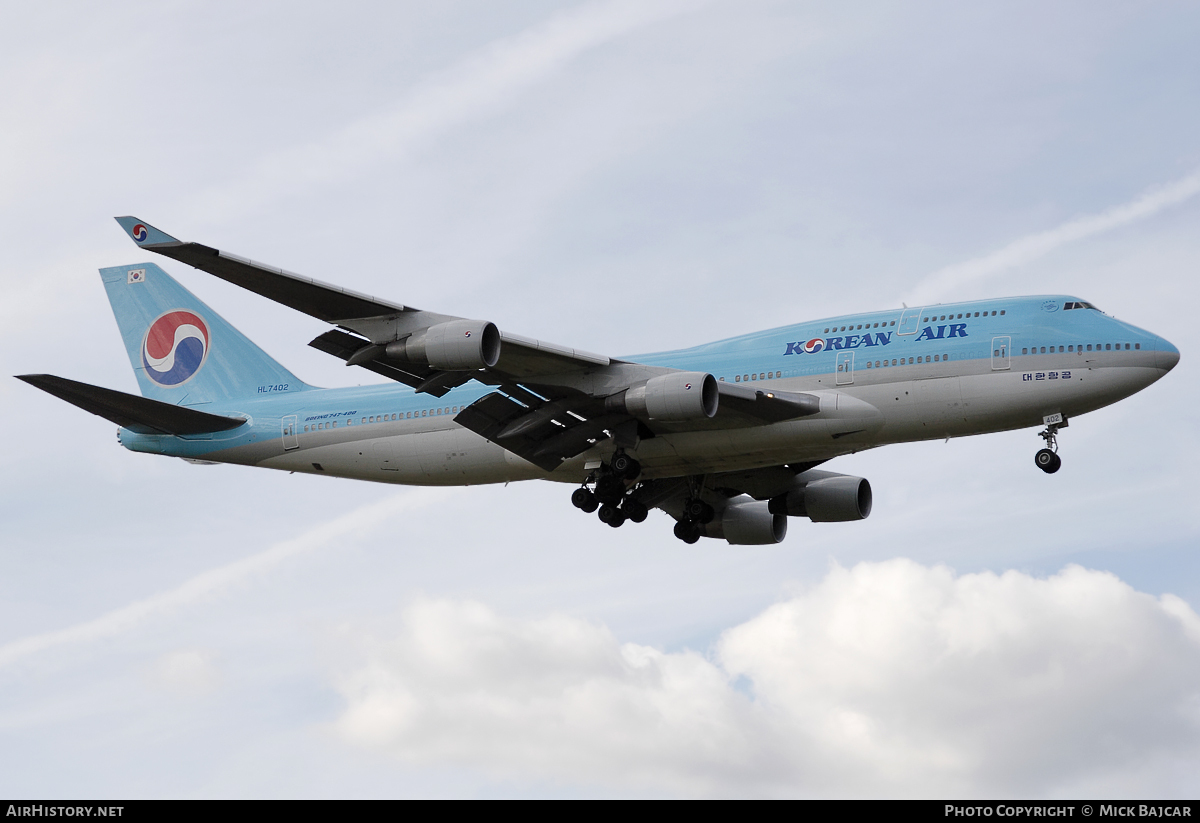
1047,459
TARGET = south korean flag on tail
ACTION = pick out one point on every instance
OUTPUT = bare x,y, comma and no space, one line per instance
136,276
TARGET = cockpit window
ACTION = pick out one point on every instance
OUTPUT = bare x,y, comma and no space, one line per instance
1078,304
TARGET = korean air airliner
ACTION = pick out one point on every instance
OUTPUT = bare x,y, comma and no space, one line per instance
725,437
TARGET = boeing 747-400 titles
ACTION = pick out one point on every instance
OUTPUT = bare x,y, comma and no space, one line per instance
724,437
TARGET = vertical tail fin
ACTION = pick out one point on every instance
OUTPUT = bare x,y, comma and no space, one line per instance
181,350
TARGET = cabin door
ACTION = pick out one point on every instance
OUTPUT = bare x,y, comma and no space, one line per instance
845,368
910,322
1000,346
290,439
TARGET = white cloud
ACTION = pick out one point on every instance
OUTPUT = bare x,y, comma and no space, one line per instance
186,673
885,679
948,282
555,696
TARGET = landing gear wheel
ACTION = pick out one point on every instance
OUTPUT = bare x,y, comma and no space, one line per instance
625,467
585,500
687,531
609,489
634,510
1047,461
611,515
699,511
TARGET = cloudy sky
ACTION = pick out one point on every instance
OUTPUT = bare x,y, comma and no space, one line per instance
621,177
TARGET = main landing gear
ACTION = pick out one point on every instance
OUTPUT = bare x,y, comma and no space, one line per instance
612,493
696,513
1047,459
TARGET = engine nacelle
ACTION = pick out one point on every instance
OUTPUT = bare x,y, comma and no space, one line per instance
679,396
828,499
460,345
748,523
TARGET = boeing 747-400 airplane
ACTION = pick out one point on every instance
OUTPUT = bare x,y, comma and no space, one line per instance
724,437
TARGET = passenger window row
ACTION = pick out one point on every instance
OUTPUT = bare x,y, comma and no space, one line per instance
1079,349
879,364
745,378
852,327
381,418
871,364
933,318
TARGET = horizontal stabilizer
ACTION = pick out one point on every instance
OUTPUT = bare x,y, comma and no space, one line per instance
139,414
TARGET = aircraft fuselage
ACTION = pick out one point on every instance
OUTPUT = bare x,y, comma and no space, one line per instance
882,377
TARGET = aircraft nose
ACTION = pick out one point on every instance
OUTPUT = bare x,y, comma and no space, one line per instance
1166,355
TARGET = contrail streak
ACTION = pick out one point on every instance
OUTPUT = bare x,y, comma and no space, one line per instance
214,581
482,84
945,282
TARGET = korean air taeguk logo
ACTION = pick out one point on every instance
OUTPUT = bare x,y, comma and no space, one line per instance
175,347
139,233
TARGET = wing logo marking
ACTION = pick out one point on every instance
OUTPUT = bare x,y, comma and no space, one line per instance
175,347
139,233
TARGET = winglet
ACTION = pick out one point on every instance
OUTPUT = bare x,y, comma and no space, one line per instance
143,233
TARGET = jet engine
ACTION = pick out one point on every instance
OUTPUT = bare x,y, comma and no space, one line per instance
678,396
824,497
460,345
747,523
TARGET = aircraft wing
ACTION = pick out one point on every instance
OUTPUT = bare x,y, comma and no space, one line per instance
369,316
552,401
321,300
